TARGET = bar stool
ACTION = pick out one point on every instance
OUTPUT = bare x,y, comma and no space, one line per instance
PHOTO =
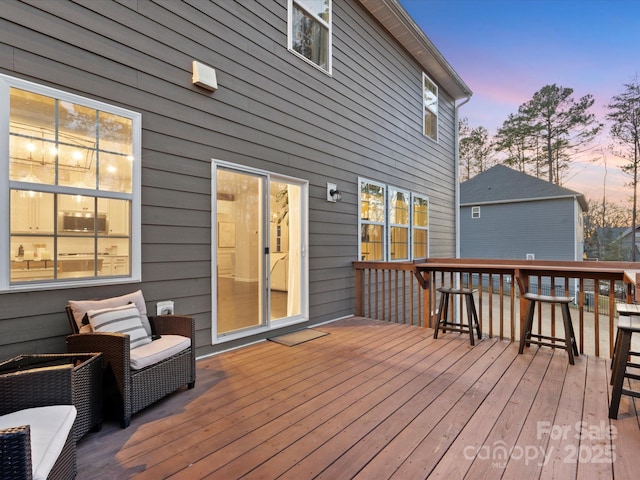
569,340
624,309
443,311
627,326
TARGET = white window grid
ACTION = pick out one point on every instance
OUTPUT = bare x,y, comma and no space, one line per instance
8,82
387,224
326,24
430,101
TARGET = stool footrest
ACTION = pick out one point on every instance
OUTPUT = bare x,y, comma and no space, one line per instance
454,327
545,337
632,376
548,344
631,393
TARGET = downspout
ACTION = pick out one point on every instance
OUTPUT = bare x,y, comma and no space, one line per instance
457,172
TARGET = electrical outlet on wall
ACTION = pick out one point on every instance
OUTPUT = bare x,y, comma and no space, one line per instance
164,308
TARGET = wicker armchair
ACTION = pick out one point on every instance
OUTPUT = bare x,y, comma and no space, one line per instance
127,391
40,387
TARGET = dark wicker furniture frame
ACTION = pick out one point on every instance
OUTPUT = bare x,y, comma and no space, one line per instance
87,383
128,391
39,387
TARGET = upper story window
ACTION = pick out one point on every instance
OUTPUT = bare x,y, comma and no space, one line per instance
430,108
72,183
394,223
310,31
475,212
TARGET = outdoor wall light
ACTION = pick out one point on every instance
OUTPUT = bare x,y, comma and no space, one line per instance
333,194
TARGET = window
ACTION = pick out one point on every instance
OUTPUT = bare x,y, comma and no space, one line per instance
310,31
475,212
430,108
394,223
420,226
398,224
73,185
372,220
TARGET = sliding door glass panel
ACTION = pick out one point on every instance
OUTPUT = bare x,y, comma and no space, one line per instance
240,251
285,259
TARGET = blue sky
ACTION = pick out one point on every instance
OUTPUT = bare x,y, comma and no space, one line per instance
506,50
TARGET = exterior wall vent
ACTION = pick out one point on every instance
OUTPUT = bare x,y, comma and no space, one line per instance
204,76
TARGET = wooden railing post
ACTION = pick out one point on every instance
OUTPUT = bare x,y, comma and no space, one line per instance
427,311
359,292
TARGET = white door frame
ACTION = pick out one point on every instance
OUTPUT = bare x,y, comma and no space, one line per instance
304,260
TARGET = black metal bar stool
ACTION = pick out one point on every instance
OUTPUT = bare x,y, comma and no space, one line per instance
569,340
627,326
445,324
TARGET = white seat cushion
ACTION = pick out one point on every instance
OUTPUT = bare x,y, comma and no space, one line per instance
50,427
158,350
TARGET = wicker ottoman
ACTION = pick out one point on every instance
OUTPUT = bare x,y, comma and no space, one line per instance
87,383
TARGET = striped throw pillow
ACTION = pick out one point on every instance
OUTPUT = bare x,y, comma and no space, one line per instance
124,319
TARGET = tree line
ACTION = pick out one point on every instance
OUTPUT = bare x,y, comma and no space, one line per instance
547,133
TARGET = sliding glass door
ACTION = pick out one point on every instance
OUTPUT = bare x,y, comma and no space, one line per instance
260,265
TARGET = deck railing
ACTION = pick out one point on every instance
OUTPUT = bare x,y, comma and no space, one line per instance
406,292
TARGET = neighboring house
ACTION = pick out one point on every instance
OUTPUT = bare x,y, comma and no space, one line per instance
609,244
232,156
507,214
621,245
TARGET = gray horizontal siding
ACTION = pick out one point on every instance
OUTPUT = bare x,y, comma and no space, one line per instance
511,230
272,111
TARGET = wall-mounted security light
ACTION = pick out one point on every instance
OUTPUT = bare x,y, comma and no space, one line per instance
333,194
204,76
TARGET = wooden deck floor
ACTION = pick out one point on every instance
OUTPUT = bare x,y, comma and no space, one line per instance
374,400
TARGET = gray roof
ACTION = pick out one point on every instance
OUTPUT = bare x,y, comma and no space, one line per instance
502,184
625,232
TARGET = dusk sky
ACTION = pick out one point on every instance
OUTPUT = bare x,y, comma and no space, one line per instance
506,50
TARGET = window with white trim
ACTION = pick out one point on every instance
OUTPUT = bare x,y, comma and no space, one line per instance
372,220
399,226
420,226
394,223
475,212
430,108
310,31
72,183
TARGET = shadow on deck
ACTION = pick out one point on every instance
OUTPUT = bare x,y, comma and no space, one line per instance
375,400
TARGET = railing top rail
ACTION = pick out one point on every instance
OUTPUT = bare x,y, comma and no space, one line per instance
533,263
626,271
360,265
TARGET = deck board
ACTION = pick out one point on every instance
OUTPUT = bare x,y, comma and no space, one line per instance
375,400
